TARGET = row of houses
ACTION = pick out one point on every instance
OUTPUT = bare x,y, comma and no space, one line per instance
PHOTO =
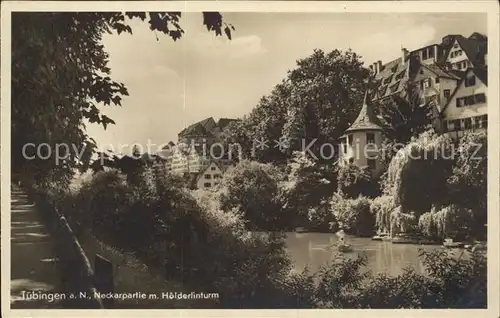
194,155
452,76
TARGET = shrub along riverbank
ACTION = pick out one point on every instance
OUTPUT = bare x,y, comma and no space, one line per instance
190,237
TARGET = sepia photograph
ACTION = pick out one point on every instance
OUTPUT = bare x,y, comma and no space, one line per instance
241,159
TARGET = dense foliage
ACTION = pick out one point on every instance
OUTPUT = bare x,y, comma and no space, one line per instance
468,185
312,106
417,175
353,215
61,79
306,191
252,188
353,181
406,116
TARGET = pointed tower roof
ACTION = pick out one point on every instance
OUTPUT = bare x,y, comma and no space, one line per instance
367,120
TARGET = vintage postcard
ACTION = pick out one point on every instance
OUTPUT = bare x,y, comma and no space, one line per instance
272,159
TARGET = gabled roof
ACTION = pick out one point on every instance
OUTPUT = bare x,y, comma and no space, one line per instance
205,168
223,122
440,72
480,72
474,49
207,127
367,119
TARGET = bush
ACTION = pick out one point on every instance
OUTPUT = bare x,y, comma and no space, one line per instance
308,186
353,181
252,188
353,215
451,221
321,218
468,185
449,282
189,236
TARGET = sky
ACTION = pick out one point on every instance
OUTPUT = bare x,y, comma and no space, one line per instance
174,84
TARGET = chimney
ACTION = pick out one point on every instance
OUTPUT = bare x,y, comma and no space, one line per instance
379,66
404,54
372,68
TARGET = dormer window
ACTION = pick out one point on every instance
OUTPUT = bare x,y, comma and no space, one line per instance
400,75
394,87
431,52
424,55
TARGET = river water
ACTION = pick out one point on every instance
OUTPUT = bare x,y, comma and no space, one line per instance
311,249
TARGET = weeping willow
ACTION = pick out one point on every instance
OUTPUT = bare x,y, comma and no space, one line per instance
446,221
382,207
416,174
402,222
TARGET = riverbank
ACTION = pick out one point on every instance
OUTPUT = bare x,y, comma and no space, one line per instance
131,275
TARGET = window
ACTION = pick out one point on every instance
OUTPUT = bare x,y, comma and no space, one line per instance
349,139
456,45
394,87
467,123
424,55
445,126
446,94
400,75
431,52
480,98
484,121
456,124
207,184
217,176
212,168
469,100
344,146
436,80
208,176
216,184
371,163
427,83
477,122
387,80
370,138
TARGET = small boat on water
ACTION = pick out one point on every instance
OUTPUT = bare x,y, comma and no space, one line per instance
476,247
300,230
381,237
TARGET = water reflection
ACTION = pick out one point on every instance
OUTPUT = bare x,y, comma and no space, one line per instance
314,250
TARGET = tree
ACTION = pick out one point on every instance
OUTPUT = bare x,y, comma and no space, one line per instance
327,91
252,188
405,116
314,104
306,192
417,175
353,181
468,185
60,78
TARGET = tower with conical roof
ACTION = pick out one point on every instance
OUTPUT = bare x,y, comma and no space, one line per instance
362,141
